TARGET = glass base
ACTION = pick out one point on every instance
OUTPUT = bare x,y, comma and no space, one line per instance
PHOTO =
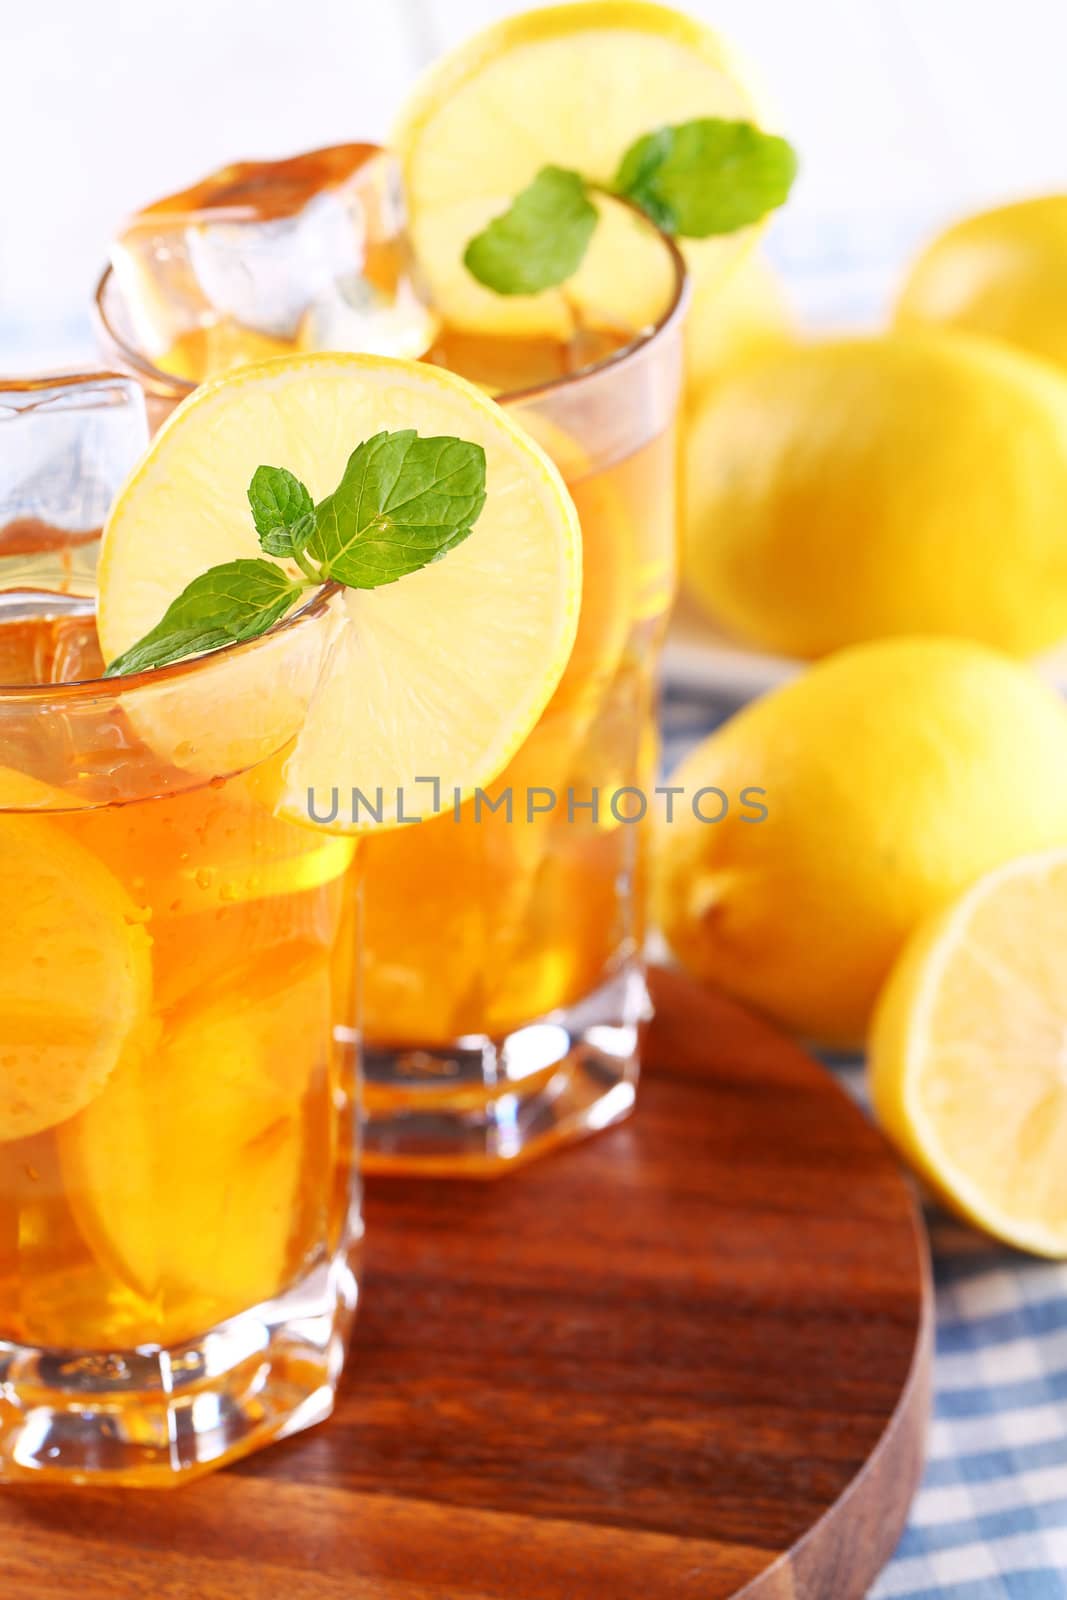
482,1104
155,1417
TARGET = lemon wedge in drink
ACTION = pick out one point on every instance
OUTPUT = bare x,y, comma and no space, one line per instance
969,1053
184,1173
75,975
441,675
571,86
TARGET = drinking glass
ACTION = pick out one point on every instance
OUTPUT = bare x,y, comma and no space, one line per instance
179,1210
502,974
503,977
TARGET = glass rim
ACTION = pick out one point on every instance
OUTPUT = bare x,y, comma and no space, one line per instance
672,312
59,380
160,385
316,605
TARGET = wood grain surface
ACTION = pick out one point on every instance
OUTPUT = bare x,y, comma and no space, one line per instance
687,1359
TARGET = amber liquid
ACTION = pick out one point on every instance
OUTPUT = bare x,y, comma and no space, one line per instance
505,365
38,555
481,925
183,1157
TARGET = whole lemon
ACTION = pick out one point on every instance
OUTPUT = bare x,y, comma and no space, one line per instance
893,775
1001,273
915,483
731,324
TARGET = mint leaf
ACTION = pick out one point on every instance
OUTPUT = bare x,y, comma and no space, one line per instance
282,509
635,176
541,238
403,502
707,177
225,605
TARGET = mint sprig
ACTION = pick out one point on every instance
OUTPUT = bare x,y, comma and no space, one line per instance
693,180
403,502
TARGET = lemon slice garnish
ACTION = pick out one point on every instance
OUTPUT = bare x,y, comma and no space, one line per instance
441,675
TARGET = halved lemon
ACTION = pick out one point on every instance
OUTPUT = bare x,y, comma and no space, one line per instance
969,1053
571,86
440,676
75,975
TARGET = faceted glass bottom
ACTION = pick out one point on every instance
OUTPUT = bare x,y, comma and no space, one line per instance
156,1417
483,1104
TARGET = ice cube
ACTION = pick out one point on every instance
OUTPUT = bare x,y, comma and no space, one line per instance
261,257
66,444
264,275
351,313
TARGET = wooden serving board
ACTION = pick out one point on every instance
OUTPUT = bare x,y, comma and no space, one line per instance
686,1360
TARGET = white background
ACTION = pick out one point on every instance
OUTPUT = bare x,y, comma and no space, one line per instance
904,112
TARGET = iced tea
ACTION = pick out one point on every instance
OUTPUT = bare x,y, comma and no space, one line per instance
176,1133
502,976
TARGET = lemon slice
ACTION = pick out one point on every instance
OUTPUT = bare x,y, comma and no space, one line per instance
441,675
969,1053
75,975
184,1173
571,86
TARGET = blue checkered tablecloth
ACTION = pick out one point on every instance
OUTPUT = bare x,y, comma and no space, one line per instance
990,1520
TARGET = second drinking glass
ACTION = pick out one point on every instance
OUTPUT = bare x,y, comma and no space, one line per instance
503,980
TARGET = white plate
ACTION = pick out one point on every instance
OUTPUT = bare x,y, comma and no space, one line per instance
699,656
